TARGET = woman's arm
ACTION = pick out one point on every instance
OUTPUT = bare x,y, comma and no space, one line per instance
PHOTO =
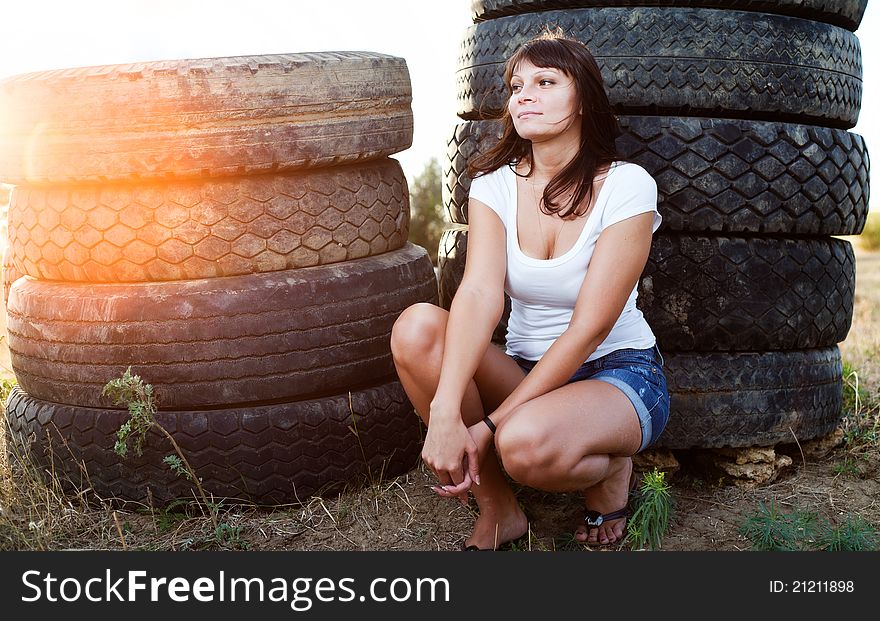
477,306
473,315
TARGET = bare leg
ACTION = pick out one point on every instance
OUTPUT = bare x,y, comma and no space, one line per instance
577,437
417,343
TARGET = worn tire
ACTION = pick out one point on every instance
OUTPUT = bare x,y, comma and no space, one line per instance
279,336
750,65
747,293
847,14
176,230
203,117
721,175
751,399
451,258
269,454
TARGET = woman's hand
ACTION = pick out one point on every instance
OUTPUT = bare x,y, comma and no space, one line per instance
451,453
483,439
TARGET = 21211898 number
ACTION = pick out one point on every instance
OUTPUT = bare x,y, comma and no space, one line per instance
822,586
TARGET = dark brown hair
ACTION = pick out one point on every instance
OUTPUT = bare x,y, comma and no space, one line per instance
599,127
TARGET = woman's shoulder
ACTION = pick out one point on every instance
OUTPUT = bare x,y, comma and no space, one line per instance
494,182
632,173
498,175
494,190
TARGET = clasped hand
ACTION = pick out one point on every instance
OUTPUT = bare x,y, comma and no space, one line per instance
453,451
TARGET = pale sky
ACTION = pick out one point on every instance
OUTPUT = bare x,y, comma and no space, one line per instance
49,34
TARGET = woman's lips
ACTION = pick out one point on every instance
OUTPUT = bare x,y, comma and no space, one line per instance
523,115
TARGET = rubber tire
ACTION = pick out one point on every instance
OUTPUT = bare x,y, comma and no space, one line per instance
749,65
751,399
270,454
451,258
203,117
721,175
280,336
747,293
724,294
176,230
846,14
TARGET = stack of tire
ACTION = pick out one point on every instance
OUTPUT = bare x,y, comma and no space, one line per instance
234,231
739,110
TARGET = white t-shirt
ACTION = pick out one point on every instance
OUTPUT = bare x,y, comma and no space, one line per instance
543,292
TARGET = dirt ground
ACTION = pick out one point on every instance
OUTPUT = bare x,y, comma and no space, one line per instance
403,514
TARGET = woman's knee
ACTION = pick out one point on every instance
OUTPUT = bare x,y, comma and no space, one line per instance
525,450
416,332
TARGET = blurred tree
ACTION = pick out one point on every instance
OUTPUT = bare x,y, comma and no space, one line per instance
428,218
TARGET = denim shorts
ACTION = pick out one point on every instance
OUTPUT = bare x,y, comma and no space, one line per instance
638,374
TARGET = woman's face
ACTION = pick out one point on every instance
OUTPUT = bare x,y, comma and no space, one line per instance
543,103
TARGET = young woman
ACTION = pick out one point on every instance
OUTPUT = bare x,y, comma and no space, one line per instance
564,227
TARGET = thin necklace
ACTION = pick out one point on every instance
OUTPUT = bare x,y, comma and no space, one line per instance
538,212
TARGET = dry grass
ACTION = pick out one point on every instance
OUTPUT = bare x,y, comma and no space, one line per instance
36,514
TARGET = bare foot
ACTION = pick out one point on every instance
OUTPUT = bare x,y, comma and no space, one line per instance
494,528
607,496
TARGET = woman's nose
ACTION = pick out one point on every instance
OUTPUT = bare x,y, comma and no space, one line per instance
524,95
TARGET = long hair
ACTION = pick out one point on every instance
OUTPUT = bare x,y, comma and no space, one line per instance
599,127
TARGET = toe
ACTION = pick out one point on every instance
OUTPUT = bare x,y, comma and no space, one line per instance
580,534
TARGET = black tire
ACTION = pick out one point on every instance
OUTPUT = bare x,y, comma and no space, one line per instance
279,336
725,294
203,117
752,399
846,14
451,258
270,454
176,230
468,140
747,293
688,62
721,175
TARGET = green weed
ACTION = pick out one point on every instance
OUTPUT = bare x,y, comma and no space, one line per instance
138,398
6,385
168,517
771,529
650,521
847,466
855,396
229,536
861,413
854,535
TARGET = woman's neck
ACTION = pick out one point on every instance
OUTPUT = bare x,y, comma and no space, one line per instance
549,158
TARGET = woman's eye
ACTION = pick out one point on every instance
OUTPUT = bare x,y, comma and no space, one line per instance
545,82
515,87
